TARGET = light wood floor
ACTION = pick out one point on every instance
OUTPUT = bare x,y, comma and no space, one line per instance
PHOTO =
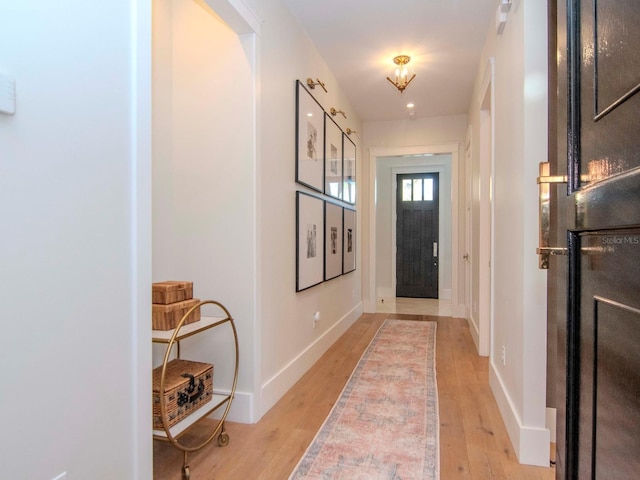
414,306
473,441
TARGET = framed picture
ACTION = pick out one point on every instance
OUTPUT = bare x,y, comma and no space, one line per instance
349,240
332,158
309,140
332,240
309,241
349,170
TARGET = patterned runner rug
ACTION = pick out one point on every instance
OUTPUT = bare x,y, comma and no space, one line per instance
385,423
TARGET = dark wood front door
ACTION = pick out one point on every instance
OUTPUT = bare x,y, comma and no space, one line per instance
599,358
417,236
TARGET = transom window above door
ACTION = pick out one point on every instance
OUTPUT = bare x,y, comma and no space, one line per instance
417,189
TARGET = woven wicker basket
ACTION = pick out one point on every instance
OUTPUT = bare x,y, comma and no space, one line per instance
166,317
188,386
171,292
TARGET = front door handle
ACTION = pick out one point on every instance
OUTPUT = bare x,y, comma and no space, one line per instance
545,250
435,249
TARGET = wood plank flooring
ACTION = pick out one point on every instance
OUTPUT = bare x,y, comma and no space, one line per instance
473,441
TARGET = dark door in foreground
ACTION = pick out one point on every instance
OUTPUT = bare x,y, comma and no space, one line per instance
598,126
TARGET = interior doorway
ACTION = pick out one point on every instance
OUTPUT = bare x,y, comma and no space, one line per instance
389,170
468,225
481,216
373,266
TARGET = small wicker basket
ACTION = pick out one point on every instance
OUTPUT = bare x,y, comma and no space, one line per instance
171,292
188,386
167,317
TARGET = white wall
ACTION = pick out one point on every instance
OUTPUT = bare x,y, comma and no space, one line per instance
290,344
421,131
204,179
224,189
386,167
403,134
74,247
519,311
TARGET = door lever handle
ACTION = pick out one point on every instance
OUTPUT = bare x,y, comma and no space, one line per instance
545,250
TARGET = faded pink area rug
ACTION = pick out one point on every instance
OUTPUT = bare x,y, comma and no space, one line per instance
385,423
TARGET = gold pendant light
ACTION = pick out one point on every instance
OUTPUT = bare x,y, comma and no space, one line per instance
402,74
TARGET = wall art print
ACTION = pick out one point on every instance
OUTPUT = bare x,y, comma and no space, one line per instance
310,124
309,241
333,159
349,240
332,240
349,170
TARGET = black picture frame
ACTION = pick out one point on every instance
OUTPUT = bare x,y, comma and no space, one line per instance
349,170
333,261
333,144
310,128
349,240
309,241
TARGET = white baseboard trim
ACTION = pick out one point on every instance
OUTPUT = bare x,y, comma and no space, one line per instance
531,444
550,422
274,388
241,410
475,333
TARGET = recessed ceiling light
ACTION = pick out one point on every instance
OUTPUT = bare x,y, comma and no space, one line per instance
410,105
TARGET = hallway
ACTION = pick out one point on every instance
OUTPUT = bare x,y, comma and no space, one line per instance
173,158
473,441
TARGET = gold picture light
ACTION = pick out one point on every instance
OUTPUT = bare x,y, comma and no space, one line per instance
334,112
312,84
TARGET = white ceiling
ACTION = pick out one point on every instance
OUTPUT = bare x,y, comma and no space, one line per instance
359,38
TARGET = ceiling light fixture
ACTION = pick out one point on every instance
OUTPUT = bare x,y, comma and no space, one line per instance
402,74
410,105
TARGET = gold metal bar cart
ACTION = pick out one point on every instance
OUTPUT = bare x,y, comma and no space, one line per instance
173,338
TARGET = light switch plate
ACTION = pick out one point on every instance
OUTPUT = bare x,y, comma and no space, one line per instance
7,94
